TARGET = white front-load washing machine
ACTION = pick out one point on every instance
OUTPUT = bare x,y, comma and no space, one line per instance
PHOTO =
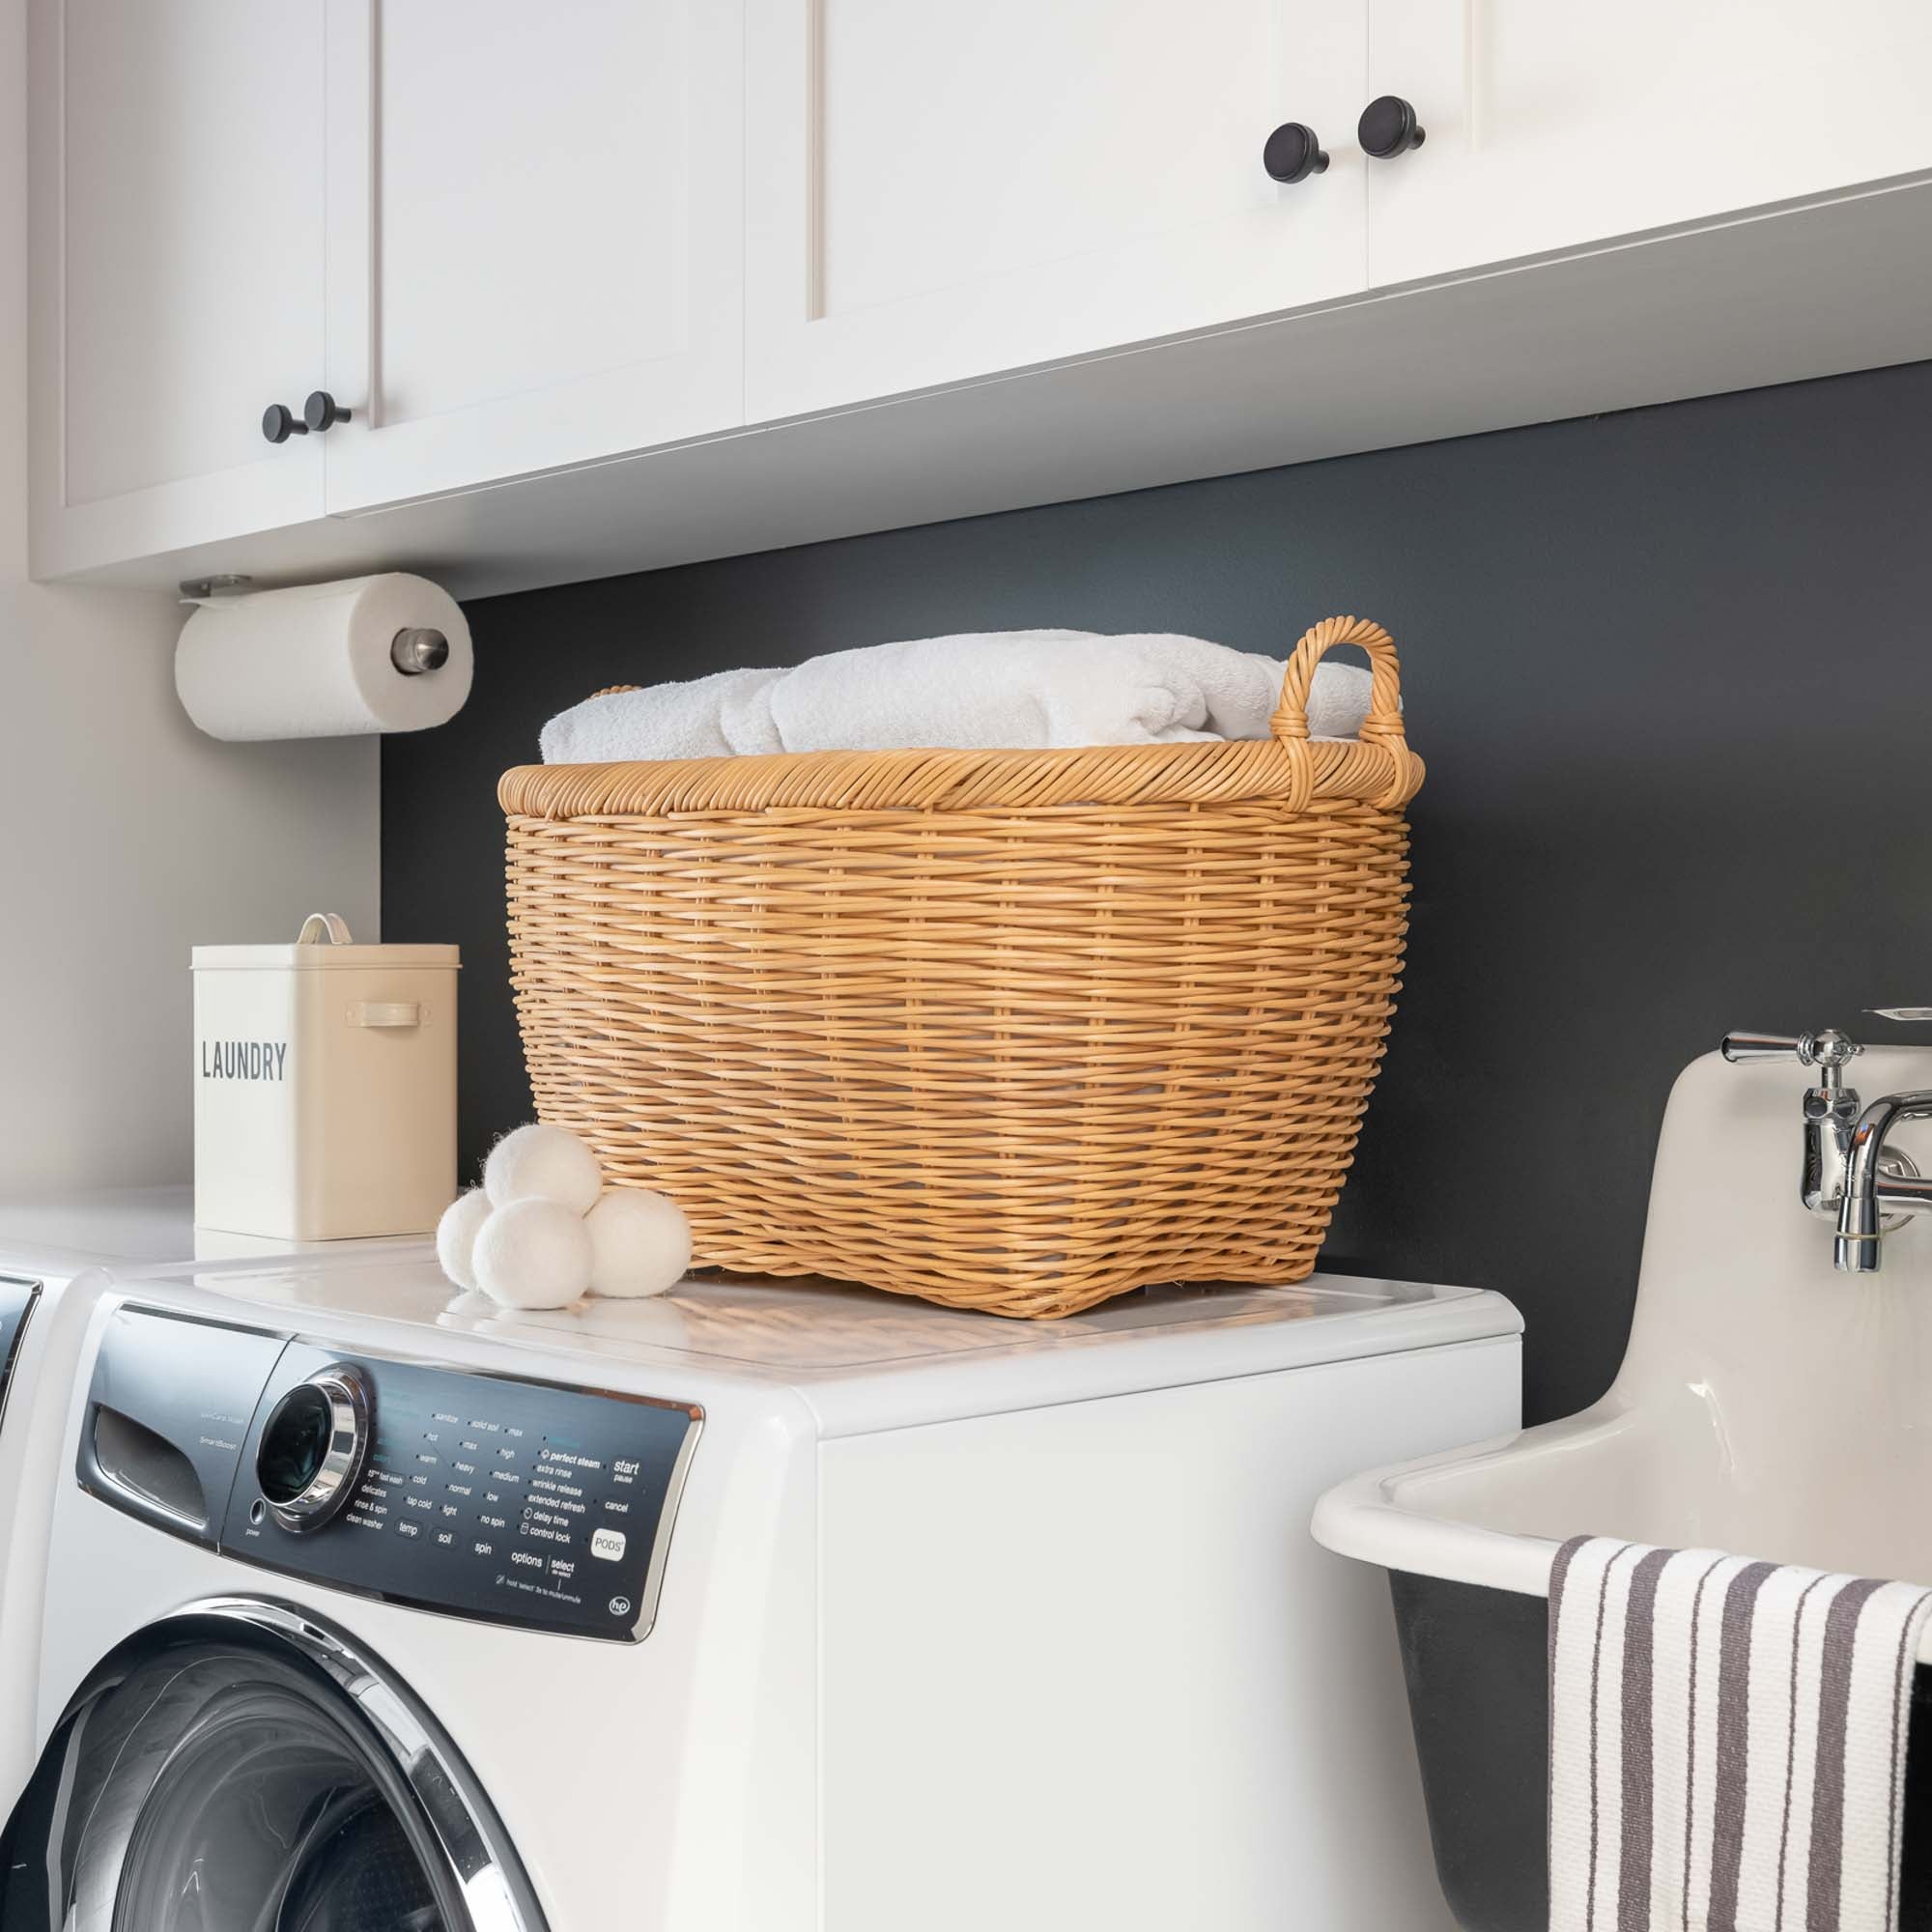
752,1608
48,1241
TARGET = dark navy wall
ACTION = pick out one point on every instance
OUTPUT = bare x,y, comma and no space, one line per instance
1670,673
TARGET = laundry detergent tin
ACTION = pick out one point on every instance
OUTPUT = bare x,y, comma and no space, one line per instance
324,1086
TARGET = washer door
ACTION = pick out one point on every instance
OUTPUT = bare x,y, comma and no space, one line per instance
246,1769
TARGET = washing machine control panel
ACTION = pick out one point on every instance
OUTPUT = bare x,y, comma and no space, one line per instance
484,1496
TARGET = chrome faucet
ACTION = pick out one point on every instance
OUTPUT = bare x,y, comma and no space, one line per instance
1849,1170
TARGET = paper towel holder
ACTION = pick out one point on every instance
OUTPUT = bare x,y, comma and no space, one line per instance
417,648
414,649
211,589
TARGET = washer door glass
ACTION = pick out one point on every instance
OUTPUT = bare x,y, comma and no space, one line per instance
230,1785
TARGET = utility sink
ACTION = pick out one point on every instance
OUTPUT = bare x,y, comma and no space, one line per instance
1768,1405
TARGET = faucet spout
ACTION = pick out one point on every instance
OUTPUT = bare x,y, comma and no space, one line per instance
1869,1192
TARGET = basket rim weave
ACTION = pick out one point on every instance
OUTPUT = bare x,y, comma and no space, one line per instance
1287,767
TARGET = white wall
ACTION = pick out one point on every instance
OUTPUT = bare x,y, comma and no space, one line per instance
126,836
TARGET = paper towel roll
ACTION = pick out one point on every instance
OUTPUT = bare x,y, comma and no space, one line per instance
316,662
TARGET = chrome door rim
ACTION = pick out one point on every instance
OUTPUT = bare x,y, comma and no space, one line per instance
476,1852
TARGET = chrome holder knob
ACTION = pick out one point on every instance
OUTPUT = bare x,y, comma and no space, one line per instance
418,649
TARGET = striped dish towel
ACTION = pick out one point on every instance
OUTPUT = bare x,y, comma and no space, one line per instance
1726,1741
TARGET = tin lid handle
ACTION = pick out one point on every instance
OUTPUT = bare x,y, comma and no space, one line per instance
331,922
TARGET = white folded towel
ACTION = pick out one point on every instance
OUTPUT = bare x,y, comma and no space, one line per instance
1021,689
1726,1741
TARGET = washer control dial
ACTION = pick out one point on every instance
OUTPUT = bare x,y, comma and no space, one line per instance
313,1445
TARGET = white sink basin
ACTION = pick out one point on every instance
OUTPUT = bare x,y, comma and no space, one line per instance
1768,1406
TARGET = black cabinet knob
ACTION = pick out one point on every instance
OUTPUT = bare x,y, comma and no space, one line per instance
1388,128
320,411
280,423
1292,153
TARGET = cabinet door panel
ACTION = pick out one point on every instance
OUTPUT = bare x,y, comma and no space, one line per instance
937,196
178,270
1551,127
535,219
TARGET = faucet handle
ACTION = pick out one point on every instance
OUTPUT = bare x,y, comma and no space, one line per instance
1900,1012
1828,1048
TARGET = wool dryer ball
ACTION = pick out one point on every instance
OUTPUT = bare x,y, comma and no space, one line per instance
456,1236
543,1163
533,1253
639,1242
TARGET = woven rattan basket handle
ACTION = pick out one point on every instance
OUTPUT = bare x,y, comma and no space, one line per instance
1382,727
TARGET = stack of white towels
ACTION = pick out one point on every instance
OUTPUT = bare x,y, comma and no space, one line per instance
1024,690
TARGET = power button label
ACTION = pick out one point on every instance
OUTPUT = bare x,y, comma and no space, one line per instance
609,1543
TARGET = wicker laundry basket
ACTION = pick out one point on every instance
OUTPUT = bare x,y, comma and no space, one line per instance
1010,1030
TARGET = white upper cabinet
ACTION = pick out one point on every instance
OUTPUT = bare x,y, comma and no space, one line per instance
935,195
177,270
505,246
535,223
1552,126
